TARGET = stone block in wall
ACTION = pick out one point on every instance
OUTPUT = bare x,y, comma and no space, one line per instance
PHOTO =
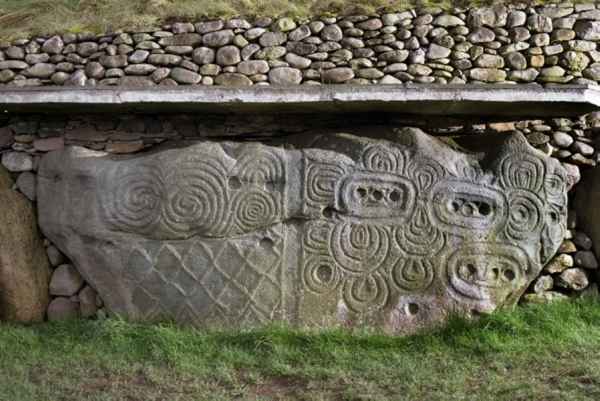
24,269
350,230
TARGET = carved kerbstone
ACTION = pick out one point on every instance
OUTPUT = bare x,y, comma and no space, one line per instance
349,231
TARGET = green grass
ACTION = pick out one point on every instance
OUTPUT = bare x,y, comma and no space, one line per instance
532,353
23,18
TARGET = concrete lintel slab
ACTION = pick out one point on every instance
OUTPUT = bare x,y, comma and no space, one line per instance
455,100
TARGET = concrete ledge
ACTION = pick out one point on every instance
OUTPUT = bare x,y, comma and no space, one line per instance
505,100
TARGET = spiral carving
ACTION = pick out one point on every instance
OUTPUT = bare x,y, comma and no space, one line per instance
359,247
254,208
136,200
413,274
524,216
260,165
197,198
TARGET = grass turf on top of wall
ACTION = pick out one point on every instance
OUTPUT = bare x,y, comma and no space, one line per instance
25,18
531,353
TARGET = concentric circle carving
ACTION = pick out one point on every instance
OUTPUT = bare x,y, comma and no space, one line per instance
413,274
366,292
359,247
525,215
254,208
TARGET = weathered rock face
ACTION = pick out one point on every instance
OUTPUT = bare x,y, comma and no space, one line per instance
347,231
24,269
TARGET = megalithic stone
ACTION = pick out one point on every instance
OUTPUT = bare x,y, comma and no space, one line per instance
394,234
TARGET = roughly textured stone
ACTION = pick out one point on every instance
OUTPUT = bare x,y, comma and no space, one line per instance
436,51
573,279
17,162
285,76
586,259
253,67
219,38
87,302
337,75
62,309
24,270
487,74
184,76
65,281
26,183
233,79
350,230
228,55
559,263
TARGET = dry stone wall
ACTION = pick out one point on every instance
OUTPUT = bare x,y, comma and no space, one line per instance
510,44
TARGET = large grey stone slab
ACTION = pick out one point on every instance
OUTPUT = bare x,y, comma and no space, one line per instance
514,100
346,231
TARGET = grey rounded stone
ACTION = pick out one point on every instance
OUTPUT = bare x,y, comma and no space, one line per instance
203,55
138,56
78,78
65,281
62,309
15,53
184,39
372,24
40,70
17,162
13,65
219,38
284,25
516,60
297,61
86,49
587,30
489,61
573,279
26,183
302,32
37,58
332,33
54,45
583,148
285,76
87,302
436,51
210,69
228,55
55,256
94,70
559,263
447,21
140,69
6,76
209,26
370,73
539,23
272,39
562,139
118,61
482,35
254,33
164,59
253,67
582,241
337,75
542,284
487,74
232,79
